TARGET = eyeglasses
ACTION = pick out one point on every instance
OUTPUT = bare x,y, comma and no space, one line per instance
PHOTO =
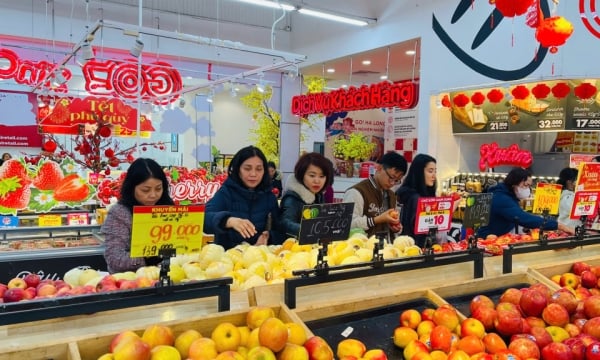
392,179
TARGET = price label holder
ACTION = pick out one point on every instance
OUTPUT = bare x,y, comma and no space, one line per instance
546,198
325,221
585,204
166,227
477,213
433,212
50,220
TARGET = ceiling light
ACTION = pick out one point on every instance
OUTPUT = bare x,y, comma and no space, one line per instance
209,97
331,70
270,4
181,102
366,62
59,78
260,87
136,49
87,53
328,16
383,77
410,52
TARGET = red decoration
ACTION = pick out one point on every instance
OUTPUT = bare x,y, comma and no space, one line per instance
105,131
520,92
477,98
30,73
492,155
553,31
585,90
540,91
561,90
511,8
49,146
109,153
495,96
446,101
461,100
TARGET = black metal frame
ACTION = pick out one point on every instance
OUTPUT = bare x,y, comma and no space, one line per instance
42,309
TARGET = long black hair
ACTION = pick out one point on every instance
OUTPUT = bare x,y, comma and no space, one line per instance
565,175
516,176
233,171
139,171
415,178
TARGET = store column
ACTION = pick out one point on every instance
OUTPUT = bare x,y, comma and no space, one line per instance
289,127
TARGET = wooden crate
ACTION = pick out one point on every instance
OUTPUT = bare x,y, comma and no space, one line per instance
548,270
92,343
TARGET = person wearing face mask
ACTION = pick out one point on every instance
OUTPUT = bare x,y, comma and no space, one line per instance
244,209
506,211
145,184
567,178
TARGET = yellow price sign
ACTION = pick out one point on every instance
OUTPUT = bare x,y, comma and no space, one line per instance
158,227
50,220
547,197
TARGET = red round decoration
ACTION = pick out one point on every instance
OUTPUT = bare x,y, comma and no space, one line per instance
520,92
477,98
495,95
511,8
554,31
561,90
109,153
105,131
585,90
461,100
540,91
49,146
446,101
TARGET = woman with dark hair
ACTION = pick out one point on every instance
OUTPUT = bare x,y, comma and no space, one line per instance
145,184
506,211
313,173
567,178
244,209
420,181
275,177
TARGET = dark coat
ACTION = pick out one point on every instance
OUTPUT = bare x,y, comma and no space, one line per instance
294,198
233,199
505,208
409,198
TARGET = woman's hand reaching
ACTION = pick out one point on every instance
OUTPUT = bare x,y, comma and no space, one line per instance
242,226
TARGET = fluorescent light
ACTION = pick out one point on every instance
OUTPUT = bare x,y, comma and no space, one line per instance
328,16
331,70
383,77
270,4
366,62
410,52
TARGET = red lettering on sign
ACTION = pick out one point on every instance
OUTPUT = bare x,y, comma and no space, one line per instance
492,155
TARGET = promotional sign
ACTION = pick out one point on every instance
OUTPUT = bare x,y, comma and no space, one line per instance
78,219
158,227
547,197
325,222
477,210
588,177
18,127
492,155
433,212
9,221
575,160
585,203
49,220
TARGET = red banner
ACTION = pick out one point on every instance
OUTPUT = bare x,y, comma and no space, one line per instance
20,136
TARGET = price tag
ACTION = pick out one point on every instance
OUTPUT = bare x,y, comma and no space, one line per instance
477,210
78,219
158,227
325,221
50,220
547,197
585,203
433,212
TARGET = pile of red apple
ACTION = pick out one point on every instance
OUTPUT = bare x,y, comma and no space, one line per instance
32,287
583,279
527,323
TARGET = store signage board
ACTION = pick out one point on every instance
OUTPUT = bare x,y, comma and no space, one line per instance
547,197
49,220
325,222
477,210
585,204
158,227
588,177
8,221
433,212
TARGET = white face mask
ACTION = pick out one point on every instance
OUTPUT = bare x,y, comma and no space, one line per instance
522,193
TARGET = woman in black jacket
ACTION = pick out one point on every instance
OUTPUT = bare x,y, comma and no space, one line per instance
312,175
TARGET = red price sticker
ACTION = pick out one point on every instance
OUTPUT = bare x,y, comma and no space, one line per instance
585,203
158,227
433,212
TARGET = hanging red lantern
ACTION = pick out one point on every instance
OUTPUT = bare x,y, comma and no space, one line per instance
511,8
495,96
446,101
553,31
561,90
585,90
540,91
105,131
49,146
520,92
477,98
461,100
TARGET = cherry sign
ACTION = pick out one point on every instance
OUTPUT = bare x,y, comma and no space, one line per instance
493,155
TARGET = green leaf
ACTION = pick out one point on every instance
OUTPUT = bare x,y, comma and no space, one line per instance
7,211
175,174
10,184
36,205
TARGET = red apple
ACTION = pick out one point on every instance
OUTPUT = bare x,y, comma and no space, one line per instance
32,280
46,289
541,336
481,300
507,306
579,266
532,302
556,315
29,293
591,306
572,329
569,280
582,293
592,352
13,294
17,283
472,326
557,351
3,288
565,298
508,323
318,349
577,347
588,279
486,316
595,269
592,327
524,348
427,314
534,321
511,295
543,288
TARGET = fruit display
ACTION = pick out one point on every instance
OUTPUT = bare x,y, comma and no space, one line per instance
49,243
494,245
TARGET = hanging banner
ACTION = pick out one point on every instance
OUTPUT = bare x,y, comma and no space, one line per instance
18,126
